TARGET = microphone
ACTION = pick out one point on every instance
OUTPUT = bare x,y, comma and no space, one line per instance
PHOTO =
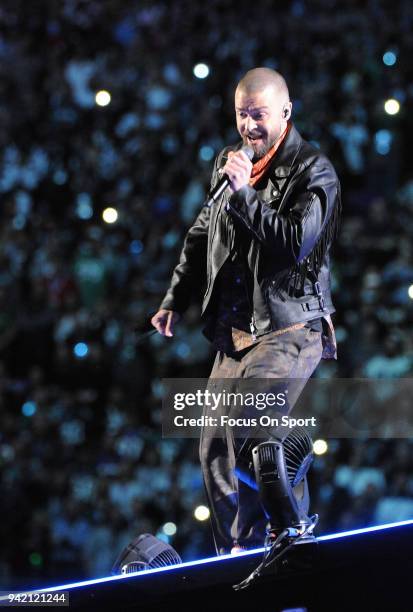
224,181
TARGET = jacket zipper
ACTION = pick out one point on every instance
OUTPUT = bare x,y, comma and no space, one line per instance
253,328
244,263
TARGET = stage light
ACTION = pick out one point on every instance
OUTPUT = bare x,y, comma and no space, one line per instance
201,513
320,447
201,71
169,529
80,350
29,408
102,97
145,552
391,106
110,215
389,58
410,292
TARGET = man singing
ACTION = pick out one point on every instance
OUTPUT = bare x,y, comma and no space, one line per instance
262,251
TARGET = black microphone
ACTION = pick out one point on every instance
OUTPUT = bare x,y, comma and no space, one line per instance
224,181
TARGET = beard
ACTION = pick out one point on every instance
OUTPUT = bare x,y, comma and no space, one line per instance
261,143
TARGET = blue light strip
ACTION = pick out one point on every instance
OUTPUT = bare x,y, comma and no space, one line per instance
334,536
345,534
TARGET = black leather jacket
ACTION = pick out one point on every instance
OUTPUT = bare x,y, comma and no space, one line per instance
290,218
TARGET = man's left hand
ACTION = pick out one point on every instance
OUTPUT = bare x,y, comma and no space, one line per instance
238,169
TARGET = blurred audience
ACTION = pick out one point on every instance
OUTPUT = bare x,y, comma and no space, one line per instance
83,468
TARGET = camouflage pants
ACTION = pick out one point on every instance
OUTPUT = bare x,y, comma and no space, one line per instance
236,513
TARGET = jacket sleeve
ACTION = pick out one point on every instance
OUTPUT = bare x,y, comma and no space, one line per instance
190,273
290,235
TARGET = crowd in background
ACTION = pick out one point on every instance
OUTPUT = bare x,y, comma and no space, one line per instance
83,467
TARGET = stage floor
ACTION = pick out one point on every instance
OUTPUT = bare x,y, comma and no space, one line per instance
367,569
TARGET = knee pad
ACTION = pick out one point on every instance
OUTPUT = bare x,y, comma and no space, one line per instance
280,468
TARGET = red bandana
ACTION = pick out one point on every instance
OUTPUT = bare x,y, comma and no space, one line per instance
261,166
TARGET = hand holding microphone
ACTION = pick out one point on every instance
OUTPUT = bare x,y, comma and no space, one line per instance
235,174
